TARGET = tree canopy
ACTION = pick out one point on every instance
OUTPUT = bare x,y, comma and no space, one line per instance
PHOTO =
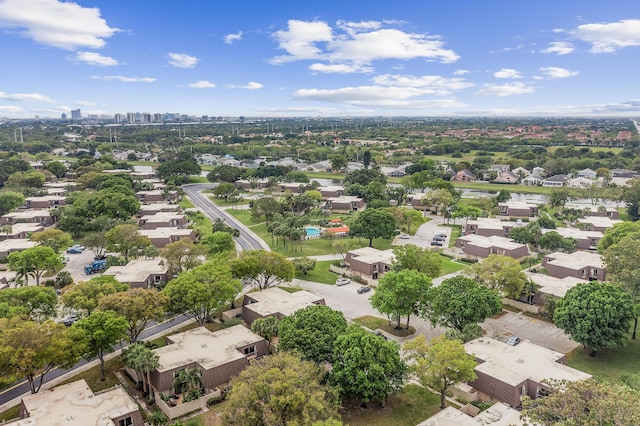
280,389
182,255
35,303
262,268
373,223
312,332
85,295
501,273
402,294
35,261
10,201
410,256
126,240
595,314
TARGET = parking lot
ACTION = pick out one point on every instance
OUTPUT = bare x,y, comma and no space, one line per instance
76,264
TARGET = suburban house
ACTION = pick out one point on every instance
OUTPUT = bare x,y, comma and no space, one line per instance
150,209
555,181
140,273
157,196
160,237
163,220
20,231
345,204
275,302
518,209
12,245
500,168
551,286
464,176
587,173
43,217
597,223
369,262
331,191
538,171
585,240
45,202
505,373
580,182
499,414
75,404
521,171
220,355
507,177
489,227
479,247
584,265
532,180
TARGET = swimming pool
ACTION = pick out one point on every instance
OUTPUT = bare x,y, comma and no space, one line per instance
312,232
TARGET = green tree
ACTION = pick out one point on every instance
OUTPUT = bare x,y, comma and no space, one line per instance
36,303
373,223
262,268
202,291
95,242
553,241
364,177
614,235
466,212
503,196
559,197
219,242
182,255
312,332
439,199
631,196
595,314
138,306
57,168
267,207
522,235
224,173
54,238
225,190
296,176
266,327
103,330
10,201
304,264
401,294
280,389
366,366
31,350
460,301
126,240
143,361
178,167
500,273
188,380
621,259
410,216
35,261
440,363
86,295
338,162
21,180
157,418
113,203
586,403
410,256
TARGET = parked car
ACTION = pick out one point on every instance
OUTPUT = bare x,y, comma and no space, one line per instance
77,248
404,236
437,243
439,238
441,235
342,281
69,320
513,340
363,289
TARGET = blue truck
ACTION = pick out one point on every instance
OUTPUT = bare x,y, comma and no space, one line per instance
95,266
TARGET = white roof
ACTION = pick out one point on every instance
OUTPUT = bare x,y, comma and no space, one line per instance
599,221
576,233
491,223
372,255
516,364
493,241
16,244
518,204
275,300
165,232
208,349
554,286
499,414
136,270
344,199
74,404
576,260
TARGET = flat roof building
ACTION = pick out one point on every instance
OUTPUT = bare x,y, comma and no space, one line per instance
275,302
140,273
584,265
499,414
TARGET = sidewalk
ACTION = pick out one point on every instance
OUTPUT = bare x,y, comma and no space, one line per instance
87,366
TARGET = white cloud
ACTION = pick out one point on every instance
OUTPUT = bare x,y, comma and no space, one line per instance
201,84
559,48
610,37
340,68
182,60
507,73
557,72
358,43
376,96
252,85
231,38
429,84
10,109
26,97
62,24
124,79
508,89
461,72
93,58
85,103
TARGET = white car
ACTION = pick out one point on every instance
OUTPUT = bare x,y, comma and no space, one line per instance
342,281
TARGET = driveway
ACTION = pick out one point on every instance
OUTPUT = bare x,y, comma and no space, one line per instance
425,233
76,264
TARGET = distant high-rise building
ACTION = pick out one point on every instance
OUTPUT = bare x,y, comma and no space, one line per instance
76,114
157,118
131,117
146,117
118,118
63,116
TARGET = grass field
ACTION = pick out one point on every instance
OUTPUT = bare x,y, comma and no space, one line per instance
608,364
450,266
495,187
320,274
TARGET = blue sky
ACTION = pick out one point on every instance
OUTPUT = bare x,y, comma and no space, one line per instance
320,58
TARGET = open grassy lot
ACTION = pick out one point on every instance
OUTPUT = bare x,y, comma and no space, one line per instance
320,274
608,364
450,266
496,187
374,323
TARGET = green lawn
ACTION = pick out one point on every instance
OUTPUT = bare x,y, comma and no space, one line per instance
186,204
313,247
373,323
198,179
608,364
201,223
487,186
409,407
223,203
449,266
320,274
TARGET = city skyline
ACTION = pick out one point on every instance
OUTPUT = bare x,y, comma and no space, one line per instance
285,58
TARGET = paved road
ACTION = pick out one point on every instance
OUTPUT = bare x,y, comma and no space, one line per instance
247,239
12,396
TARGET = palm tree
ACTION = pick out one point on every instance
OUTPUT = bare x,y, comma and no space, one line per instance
157,419
143,360
187,380
6,229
